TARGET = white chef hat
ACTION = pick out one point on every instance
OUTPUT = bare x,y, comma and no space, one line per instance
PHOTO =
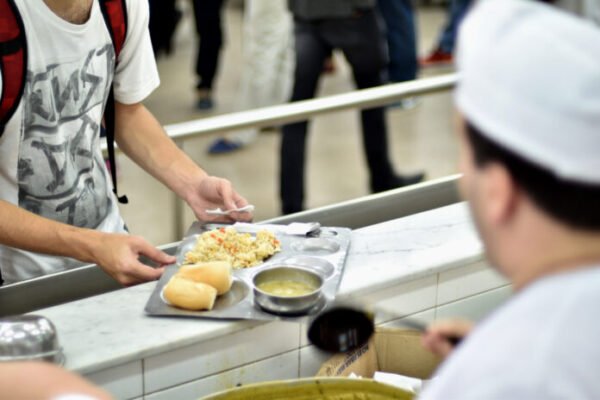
529,79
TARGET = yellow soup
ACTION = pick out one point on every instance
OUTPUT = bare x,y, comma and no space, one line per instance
286,288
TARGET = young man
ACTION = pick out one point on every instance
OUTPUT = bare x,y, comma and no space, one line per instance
55,192
529,97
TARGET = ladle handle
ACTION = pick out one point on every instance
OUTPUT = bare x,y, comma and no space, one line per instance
422,327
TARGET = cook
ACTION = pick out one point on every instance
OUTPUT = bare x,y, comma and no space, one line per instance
529,100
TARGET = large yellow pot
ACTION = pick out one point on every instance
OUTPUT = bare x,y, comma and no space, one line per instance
314,389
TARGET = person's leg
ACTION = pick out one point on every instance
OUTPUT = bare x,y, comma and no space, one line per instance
207,15
267,73
164,17
361,39
458,9
401,39
310,55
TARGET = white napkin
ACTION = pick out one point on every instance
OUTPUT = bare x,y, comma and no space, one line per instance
400,381
217,211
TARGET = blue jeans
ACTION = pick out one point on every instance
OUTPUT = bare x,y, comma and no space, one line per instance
458,9
401,39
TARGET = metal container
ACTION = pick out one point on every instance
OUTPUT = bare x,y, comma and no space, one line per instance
29,337
323,252
283,304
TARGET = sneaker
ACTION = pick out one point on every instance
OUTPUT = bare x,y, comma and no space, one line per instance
398,181
436,58
222,146
329,66
204,96
205,104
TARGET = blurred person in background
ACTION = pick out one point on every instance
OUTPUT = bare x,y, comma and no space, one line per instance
267,66
164,17
402,45
354,27
207,15
442,53
529,104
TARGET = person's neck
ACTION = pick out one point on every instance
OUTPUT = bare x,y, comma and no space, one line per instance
73,11
553,250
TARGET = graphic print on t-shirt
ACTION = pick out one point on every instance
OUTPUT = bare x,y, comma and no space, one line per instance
61,174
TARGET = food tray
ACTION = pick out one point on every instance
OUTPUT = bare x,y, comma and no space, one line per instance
323,251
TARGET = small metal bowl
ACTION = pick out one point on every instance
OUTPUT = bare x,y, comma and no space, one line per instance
29,337
282,304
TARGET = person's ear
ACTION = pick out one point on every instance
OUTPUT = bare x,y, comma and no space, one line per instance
500,195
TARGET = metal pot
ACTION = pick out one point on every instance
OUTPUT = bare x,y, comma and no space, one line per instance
287,305
29,337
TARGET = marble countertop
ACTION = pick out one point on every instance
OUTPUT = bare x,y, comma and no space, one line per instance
112,329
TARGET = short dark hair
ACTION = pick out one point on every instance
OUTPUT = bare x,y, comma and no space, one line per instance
572,203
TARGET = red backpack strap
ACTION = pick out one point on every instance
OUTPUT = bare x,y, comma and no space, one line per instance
115,17
13,60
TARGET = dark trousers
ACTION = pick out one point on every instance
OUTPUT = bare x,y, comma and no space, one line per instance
361,40
401,39
207,15
164,17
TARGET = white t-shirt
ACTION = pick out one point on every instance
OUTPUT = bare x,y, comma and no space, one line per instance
50,157
542,344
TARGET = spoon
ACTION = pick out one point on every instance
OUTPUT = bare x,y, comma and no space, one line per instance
342,328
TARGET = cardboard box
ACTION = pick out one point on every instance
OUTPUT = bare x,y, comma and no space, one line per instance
393,350
390,350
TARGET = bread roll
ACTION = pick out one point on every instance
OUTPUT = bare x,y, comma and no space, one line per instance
216,274
185,293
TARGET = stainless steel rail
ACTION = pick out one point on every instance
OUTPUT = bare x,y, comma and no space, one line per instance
302,110
90,280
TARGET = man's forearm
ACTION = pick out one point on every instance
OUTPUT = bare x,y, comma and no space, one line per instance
142,138
27,231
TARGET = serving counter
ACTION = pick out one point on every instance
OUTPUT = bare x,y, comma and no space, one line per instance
427,265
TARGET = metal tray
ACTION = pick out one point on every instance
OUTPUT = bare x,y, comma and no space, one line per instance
323,251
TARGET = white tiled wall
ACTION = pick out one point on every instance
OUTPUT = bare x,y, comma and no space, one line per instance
475,307
194,362
311,359
424,316
466,281
284,366
405,299
123,381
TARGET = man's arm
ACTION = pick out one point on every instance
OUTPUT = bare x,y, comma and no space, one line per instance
40,380
142,138
116,254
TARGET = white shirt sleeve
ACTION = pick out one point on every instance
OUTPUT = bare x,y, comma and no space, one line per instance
136,75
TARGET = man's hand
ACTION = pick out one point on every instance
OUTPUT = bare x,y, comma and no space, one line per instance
435,339
118,255
212,192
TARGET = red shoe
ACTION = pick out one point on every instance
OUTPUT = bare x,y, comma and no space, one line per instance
437,57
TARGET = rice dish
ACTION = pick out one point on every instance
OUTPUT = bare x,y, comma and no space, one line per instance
242,250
